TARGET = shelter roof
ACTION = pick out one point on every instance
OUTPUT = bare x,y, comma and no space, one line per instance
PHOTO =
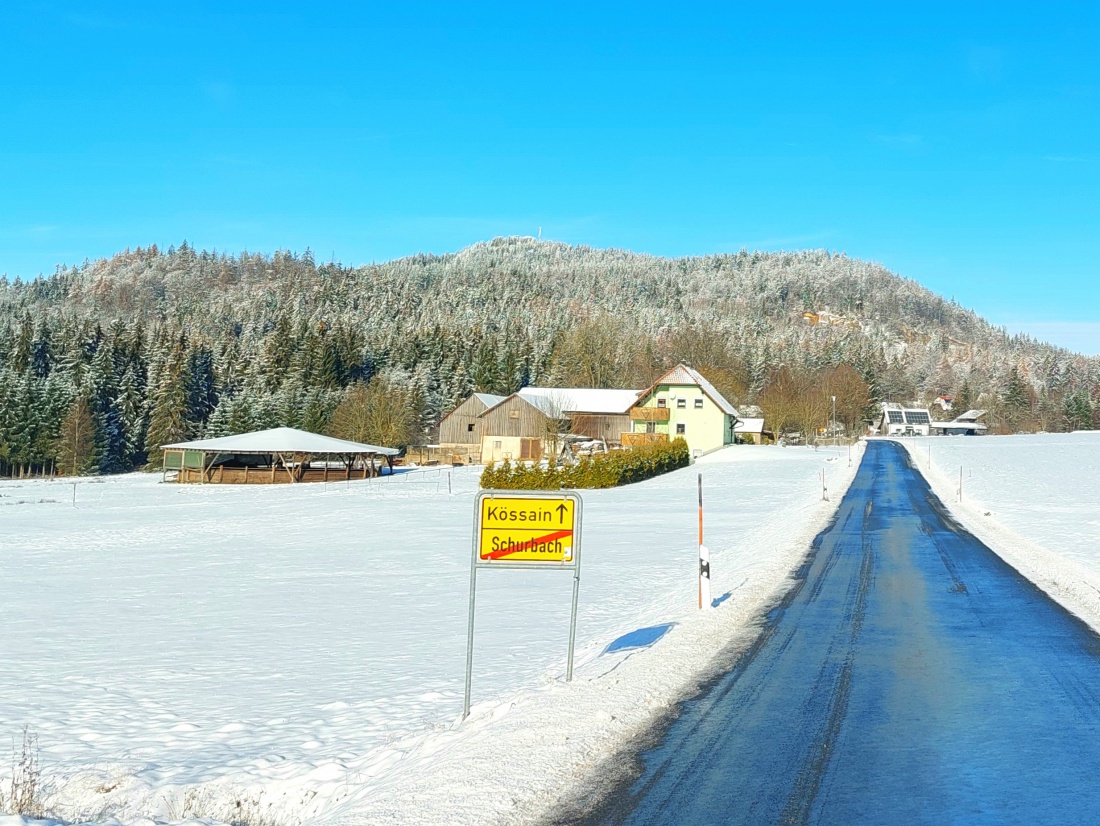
555,400
281,440
682,374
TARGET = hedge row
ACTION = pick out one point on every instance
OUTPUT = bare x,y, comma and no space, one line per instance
607,470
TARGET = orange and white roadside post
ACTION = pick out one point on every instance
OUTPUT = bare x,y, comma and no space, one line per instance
704,558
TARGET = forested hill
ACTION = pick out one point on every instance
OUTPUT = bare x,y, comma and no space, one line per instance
163,344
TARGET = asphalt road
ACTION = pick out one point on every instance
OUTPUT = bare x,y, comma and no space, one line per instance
911,676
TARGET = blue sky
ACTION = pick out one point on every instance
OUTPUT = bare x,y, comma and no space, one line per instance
957,144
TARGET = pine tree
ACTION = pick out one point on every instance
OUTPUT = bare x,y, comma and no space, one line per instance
75,446
168,421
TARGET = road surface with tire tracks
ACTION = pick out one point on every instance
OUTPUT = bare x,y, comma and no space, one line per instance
910,676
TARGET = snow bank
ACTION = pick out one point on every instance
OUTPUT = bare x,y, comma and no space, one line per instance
280,654
1033,500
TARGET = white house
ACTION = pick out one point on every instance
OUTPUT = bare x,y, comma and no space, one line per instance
897,420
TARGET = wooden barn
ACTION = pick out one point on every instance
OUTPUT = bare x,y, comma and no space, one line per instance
529,424
281,455
460,431
514,429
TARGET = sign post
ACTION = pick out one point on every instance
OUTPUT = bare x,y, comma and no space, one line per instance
530,530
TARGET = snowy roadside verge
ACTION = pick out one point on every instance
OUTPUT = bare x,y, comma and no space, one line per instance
1070,583
514,760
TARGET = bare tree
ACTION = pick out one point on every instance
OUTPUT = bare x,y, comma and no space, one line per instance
853,395
590,354
779,400
379,413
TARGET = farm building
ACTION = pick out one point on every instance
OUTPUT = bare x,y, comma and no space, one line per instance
966,424
529,424
682,404
281,455
751,430
460,431
595,413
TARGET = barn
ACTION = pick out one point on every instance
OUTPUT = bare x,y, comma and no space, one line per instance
460,431
529,424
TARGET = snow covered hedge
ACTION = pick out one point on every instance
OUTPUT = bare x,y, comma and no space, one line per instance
608,470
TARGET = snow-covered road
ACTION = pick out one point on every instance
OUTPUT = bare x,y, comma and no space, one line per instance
910,677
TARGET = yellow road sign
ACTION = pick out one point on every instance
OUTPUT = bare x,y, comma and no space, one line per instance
526,528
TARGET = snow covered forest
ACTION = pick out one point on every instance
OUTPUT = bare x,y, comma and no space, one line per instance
103,362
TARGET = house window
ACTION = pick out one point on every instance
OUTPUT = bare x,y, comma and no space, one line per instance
681,403
699,404
650,427
513,414
496,445
662,402
679,428
470,428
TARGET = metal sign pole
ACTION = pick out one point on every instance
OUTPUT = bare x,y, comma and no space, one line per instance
470,632
573,623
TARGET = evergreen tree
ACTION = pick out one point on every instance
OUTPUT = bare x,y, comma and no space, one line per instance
168,422
76,444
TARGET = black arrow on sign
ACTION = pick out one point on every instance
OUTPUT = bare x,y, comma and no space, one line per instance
561,512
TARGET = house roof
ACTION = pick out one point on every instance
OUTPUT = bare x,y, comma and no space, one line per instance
970,416
552,400
281,440
752,425
489,399
682,374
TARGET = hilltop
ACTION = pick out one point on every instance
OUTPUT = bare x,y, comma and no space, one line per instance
261,336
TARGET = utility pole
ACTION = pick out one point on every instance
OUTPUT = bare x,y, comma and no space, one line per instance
834,420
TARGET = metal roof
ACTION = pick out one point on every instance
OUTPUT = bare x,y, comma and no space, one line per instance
281,440
489,399
553,400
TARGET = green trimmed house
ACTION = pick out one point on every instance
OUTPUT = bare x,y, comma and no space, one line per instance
682,404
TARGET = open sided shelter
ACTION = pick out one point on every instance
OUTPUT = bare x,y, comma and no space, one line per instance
267,457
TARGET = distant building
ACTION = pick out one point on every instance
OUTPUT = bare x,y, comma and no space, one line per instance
535,422
751,429
529,424
897,420
461,429
966,424
683,404
945,403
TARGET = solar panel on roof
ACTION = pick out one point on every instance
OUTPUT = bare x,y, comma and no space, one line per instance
895,416
917,417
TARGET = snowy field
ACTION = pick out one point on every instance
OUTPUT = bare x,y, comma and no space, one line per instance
276,654
1033,499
